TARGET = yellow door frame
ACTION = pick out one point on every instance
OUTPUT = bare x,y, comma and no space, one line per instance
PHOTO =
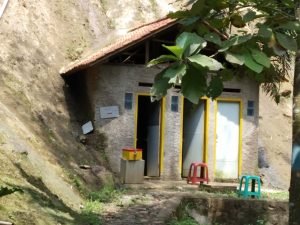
162,128
206,121
237,100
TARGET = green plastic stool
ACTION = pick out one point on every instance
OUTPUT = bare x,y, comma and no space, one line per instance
250,181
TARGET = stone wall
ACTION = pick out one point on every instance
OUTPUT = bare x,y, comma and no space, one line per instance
232,211
107,85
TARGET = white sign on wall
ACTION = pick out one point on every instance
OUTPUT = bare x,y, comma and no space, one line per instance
87,128
109,112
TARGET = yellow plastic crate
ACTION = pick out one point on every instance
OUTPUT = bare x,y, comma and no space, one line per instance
132,153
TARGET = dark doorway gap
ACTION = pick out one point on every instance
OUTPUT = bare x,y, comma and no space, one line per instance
232,90
149,117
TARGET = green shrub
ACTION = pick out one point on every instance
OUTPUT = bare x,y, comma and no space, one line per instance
106,194
90,214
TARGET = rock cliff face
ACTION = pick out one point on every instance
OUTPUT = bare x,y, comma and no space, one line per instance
275,139
39,124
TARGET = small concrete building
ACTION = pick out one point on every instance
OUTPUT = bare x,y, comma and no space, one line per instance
172,132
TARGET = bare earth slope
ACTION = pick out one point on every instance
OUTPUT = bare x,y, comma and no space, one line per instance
275,138
39,151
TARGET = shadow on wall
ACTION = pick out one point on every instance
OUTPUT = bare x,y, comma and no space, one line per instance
77,99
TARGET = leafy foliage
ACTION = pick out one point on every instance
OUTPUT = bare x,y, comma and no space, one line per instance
226,39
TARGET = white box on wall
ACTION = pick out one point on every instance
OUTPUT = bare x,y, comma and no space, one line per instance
109,112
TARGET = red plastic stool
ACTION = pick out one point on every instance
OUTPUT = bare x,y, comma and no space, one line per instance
192,176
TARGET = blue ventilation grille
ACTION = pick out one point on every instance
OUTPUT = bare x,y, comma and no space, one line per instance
174,104
128,100
250,108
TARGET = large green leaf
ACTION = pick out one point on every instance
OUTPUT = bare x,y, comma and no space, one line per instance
175,73
235,58
194,84
176,50
251,63
160,86
242,39
205,61
249,16
286,41
278,50
189,21
233,41
215,87
214,38
174,70
228,43
162,59
260,57
199,8
191,43
264,31
291,25
201,29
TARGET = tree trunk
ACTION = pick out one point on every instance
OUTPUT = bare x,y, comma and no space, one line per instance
295,173
294,207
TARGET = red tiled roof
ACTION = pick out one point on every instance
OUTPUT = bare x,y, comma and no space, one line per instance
139,34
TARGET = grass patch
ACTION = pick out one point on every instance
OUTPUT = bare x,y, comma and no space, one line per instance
106,194
78,183
186,220
277,195
94,205
91,213
182,217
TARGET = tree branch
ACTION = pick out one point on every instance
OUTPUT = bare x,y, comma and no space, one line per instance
224,36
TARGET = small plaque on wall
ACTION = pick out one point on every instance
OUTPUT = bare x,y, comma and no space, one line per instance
109,112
